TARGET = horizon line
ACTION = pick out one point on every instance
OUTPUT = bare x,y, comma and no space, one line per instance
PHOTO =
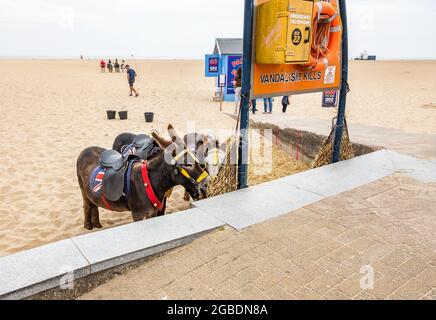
7,57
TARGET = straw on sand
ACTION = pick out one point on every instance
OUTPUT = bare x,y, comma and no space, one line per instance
324,157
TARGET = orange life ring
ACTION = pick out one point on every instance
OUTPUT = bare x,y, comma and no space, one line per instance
327,35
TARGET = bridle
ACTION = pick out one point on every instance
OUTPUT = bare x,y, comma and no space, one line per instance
196,182
216,156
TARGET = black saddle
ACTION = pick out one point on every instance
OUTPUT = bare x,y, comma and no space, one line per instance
113,181
143,145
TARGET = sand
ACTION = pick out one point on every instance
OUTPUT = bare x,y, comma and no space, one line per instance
52,110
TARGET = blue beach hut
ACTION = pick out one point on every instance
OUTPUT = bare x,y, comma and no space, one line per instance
230,52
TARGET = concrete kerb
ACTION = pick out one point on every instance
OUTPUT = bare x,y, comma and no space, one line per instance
30,272
117,246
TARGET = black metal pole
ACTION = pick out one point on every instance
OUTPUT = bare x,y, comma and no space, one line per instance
245,101
344,86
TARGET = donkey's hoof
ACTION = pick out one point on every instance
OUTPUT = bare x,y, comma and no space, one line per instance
97,225
88,226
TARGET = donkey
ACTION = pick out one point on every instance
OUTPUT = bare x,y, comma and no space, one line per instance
206,147
149,181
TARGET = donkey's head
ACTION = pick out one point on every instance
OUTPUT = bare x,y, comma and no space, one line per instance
185,168
208,150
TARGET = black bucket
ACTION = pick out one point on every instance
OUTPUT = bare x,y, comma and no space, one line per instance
149,116
111,114
123,115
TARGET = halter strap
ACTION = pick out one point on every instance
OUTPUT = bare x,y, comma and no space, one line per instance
185,173
216,158
186,151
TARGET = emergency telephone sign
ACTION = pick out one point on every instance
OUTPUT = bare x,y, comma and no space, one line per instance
284,32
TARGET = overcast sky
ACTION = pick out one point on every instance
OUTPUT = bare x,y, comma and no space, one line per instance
401,29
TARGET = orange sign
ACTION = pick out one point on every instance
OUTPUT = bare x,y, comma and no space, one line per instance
274,36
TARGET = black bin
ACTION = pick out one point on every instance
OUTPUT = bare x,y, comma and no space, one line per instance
111,114
149,116
123,115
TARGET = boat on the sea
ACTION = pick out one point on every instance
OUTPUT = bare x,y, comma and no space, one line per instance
366,56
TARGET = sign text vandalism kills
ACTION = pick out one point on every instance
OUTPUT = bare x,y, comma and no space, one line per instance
290,77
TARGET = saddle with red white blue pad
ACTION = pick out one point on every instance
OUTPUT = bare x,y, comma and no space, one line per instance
110,180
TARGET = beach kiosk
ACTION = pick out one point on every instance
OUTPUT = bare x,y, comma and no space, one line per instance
229,52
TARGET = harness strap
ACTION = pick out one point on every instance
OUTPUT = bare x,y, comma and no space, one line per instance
203,176
127,185
106,203
149,188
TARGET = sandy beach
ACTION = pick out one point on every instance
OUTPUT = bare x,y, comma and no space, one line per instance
52,110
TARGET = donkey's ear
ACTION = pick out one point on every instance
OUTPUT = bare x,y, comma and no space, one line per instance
163,143
173,134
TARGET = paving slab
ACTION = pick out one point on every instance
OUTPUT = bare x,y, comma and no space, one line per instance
29,272
340,177
422,170
244,208
120,245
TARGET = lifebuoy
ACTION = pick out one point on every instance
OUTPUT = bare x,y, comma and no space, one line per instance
327,35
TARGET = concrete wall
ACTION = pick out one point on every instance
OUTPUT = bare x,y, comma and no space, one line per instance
305,145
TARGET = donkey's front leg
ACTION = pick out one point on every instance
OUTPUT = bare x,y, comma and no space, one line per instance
186,196
138,216
87,210
95,217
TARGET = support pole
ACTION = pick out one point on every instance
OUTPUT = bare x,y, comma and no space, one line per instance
221,99
246,87
344,86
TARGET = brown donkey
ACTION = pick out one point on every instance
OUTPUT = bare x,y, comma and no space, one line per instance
148,181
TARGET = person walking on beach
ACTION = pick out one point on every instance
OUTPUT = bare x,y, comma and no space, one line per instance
131,77
285,103
238,89
103,66
117,66
110,66
267,105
